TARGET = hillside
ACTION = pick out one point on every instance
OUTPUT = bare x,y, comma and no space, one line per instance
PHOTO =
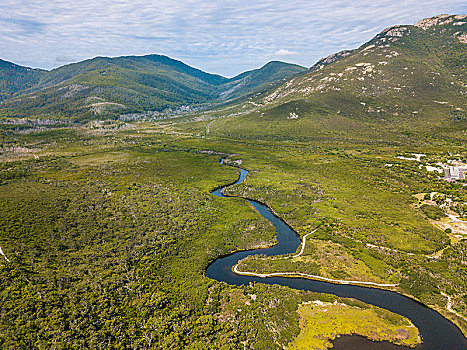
107,87
114,85
14,78
258,80
407,79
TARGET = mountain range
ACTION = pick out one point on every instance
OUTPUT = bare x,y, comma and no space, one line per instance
118,85
409,79
406,75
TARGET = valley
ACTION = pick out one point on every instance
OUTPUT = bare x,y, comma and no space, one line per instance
109,232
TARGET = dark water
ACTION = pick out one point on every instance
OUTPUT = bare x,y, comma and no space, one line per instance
356,342
437,332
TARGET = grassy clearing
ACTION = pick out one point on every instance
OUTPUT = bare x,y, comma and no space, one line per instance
321,322
326,259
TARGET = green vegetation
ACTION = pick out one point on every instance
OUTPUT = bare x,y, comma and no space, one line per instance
14,78
321,258
369,228
111,246
108,226
433,212
320,322
258,80
108,87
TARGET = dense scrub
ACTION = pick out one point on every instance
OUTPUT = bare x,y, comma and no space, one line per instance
110,248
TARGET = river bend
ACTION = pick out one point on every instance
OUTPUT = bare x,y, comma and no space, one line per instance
437,332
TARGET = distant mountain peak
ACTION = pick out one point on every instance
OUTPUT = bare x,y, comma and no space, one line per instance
258,80
397,78
277,63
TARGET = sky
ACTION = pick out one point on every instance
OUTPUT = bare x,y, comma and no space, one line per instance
218,36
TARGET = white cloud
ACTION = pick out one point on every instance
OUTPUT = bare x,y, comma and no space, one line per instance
285,52
218,36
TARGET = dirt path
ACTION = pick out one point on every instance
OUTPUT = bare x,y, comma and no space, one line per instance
2,253
315,277
454,218
449,306
303,244
207,126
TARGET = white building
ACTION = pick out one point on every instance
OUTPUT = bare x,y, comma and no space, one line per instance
454,173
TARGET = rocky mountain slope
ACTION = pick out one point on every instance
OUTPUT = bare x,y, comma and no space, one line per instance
407,79
323,62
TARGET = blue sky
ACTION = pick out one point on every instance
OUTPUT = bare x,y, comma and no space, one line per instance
224,37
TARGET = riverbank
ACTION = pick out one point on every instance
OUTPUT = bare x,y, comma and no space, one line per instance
392,301
322,322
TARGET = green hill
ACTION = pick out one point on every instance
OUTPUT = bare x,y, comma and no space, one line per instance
114,85
14,78
258,80
107,87
406,80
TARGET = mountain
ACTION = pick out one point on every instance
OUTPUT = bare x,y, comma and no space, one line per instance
14,78
111,86
258,80
114,85
407,79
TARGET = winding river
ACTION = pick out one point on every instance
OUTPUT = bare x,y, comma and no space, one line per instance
437,332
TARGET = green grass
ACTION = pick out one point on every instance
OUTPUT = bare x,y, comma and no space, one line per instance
320,322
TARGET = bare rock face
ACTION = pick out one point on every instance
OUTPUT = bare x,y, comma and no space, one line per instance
440,20
396,32
393,33
430,22
330,59
454,20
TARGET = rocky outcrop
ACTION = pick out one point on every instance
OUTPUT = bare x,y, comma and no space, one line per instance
438,20
391,34
323,62
395,31
430,22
